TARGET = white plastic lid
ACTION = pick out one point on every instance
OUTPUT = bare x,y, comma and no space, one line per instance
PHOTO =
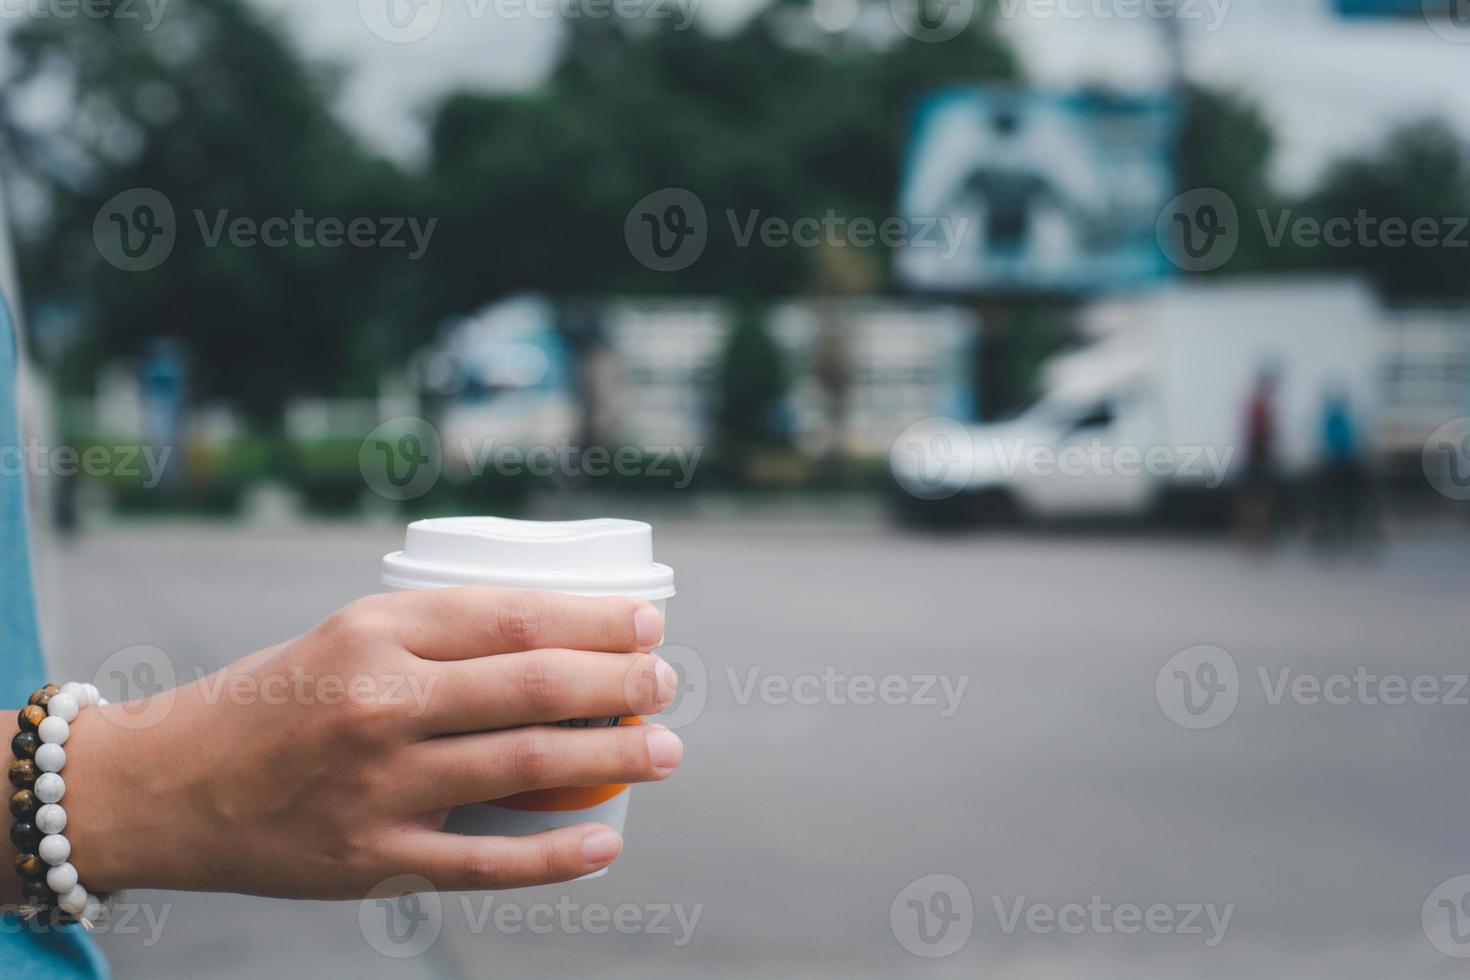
605,556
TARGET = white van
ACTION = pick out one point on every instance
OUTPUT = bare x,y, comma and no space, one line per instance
1153,411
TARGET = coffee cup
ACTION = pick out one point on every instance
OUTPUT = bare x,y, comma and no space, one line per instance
602,557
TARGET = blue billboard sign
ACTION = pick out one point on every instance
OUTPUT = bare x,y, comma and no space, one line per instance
1389,8
1037,192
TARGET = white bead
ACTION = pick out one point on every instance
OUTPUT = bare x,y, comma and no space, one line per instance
90,696
93,911
50,758
50,787
54,849
74,689
51,819
54,731
62,878
73,901
63,706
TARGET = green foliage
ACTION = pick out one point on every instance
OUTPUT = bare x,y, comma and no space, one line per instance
775,119
216,111
1226,143
1421,173
752,384
755,123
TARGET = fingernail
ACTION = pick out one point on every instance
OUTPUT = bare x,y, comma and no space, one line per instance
665,749
601,846
649,626
668,682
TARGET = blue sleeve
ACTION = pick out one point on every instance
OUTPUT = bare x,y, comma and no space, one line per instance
26,949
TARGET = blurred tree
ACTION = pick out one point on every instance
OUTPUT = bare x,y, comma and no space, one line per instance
1420,174
752,386
1225,143
216,111
779,118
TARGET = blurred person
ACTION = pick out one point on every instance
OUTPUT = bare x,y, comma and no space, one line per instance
832,368
298,797
1256,504
1342,512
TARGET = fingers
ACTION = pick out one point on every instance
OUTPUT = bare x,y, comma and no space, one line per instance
446,772
543,686
458,863
461,623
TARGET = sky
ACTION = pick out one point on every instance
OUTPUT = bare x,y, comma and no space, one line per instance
1329,86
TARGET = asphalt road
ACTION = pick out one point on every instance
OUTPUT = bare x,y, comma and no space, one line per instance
837,760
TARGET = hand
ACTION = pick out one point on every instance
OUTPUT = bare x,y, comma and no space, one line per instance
319,767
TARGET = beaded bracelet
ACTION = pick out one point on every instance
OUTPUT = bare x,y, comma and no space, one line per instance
49,881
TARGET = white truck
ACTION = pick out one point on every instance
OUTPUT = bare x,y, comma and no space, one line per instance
1152,413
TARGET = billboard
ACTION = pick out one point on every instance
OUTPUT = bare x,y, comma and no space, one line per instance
1044,193
1389,8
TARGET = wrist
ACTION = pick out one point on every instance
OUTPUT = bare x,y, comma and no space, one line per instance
116,811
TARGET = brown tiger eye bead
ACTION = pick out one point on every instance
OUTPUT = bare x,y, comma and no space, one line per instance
52,688
25,835
30,866
24,745
31,717
23,804
23,773
40,699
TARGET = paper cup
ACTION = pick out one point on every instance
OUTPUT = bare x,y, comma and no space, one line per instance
592,558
